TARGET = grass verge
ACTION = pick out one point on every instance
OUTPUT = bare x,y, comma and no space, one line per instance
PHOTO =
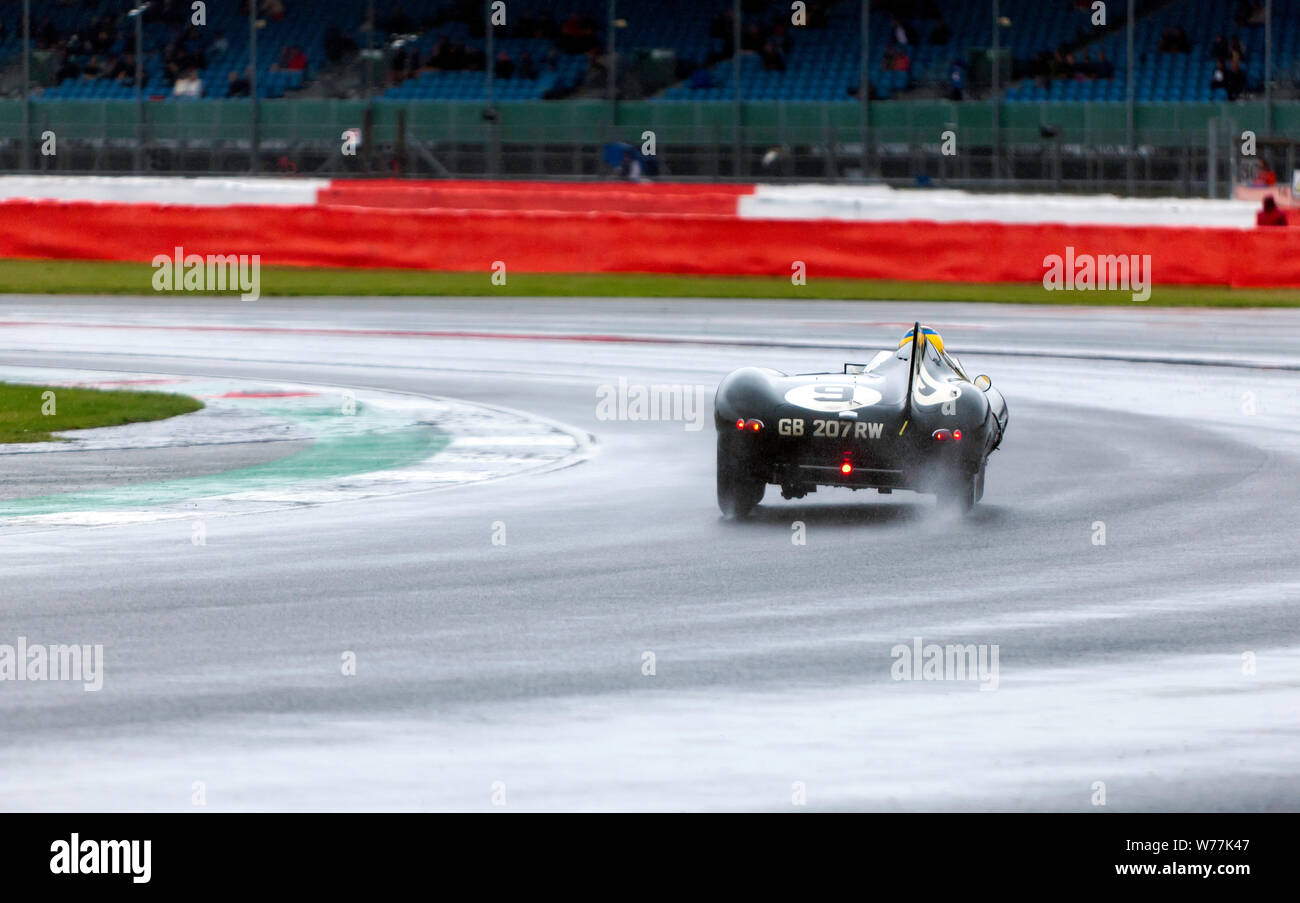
29,414
112,277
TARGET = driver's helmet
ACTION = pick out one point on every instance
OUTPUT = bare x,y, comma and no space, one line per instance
927,335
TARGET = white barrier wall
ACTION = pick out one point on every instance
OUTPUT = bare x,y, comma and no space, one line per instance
785,202
881,203
202,192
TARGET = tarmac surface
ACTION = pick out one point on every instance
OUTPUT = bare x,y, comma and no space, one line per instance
594,636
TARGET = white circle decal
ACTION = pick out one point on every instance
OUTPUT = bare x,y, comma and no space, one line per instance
832,397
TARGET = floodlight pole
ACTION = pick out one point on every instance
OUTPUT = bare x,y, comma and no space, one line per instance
610,54
493,162
997,87
1130,26
491,53
254,137
864,87
27,84
138,15
736,149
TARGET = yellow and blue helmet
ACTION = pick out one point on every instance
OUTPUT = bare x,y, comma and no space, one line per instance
927,335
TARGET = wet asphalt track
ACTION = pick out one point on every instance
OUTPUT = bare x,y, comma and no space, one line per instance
522,663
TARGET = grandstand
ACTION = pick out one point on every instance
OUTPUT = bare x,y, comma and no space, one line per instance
819,62
421,80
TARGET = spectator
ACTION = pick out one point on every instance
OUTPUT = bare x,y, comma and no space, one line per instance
1059,67
1234,80
630,168
396,66
1270,214
297,60
68,68
237,85
577,35
783,39
773,61
1264,176
440,58
527,68
123,69
189,85
956,80
1174,40
904,34
1219,49
1238,50
1076,70
505,67
1103,68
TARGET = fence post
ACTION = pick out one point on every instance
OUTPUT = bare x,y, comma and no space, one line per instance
1212,157
1268,67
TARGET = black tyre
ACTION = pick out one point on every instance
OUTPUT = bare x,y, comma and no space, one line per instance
739,487
960,493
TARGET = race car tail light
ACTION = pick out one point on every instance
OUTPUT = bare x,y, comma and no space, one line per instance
941,435
846,468
754,425
956,435
740,424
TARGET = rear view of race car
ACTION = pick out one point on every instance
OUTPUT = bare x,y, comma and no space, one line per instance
908,419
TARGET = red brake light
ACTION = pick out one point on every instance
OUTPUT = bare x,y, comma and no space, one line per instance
740,424
755,425
956,434
846,467
940,435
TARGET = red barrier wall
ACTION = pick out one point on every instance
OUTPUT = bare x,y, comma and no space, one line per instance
618,242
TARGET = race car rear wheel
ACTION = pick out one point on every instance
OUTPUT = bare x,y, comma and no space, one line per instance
739,488
961,492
